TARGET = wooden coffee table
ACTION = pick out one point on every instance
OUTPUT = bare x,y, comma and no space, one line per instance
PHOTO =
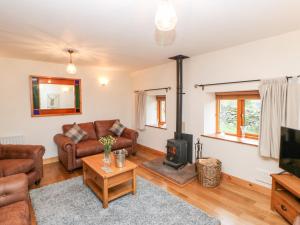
108,186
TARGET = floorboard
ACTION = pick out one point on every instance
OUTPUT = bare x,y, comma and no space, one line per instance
231,203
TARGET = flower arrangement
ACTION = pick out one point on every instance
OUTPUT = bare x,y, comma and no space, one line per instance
107,142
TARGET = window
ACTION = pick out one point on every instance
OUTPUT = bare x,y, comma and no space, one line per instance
238,113
156,111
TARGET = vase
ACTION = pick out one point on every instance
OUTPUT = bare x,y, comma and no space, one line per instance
243,131
107,158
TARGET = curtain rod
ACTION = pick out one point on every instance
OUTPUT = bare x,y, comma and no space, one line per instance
230,82
156,89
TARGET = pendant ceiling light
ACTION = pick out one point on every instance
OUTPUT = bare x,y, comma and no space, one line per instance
71,68
165,18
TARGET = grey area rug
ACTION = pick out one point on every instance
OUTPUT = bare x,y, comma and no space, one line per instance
70,202
181,176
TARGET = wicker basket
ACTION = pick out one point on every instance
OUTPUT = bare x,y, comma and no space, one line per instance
209,172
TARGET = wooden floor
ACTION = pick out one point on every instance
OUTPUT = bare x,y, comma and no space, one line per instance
232,204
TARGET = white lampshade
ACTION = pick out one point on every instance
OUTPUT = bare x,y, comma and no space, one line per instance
71,68
165,18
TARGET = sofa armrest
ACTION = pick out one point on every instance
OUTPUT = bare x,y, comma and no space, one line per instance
130,134
66,151
13,189
22,151
63,142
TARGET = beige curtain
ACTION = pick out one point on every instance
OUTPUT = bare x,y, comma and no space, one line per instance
273,95
140,110
293,101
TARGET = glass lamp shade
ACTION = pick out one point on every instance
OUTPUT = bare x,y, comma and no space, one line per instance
71,68
165,18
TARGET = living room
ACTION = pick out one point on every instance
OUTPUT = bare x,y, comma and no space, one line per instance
117,53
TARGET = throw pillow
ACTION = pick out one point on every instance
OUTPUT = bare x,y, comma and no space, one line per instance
76,133
117,128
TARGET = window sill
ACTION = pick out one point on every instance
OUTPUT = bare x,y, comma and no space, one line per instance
163,128
246,141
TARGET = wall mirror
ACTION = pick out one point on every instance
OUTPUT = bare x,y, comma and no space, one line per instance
52,96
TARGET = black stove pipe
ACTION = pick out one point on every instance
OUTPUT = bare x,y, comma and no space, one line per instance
179,92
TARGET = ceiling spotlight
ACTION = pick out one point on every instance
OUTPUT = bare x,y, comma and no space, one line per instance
165,18
71,68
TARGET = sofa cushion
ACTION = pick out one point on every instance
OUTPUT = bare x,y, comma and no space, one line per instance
103,126
87,127
88,147
117,128
122,142
15,166
15,214
76,134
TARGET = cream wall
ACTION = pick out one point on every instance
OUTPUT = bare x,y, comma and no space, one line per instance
112,101
267,58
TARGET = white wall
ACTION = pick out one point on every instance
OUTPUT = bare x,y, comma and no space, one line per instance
112,101
273,57
160,76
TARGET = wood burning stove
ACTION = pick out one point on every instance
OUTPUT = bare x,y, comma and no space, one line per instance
180,148
176,153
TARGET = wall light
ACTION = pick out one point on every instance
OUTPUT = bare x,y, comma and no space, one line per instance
103,81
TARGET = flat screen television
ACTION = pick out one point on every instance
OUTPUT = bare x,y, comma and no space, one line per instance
290,150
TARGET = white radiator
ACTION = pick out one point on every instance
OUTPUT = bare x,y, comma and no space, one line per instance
15,140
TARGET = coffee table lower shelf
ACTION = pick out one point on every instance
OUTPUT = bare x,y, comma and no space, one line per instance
113,193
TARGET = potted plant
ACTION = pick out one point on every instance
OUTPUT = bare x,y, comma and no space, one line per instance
107,142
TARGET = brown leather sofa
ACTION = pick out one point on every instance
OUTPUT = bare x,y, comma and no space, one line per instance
14,200
26,159
70,154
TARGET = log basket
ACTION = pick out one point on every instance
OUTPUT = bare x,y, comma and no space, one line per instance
209,172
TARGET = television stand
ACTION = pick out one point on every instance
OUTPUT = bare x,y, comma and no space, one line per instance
285,196
282,172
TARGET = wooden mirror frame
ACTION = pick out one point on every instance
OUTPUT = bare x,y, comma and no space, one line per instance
35,96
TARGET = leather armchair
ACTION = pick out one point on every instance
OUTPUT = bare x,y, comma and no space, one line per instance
26,159
14,200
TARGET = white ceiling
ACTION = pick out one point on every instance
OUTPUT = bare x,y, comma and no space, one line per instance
120,34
